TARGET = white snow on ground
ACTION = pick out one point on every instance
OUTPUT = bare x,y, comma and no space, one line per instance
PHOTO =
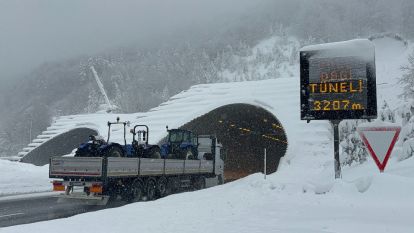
301,197
278,204
17,178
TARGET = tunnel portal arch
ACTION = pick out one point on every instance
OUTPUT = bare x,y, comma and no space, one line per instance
244,130
60,145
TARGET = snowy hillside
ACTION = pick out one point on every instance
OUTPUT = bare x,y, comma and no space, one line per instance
273,58
301,197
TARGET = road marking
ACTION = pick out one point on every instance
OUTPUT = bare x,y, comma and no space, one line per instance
9,215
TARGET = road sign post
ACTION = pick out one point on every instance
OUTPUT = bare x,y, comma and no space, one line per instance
380,141
264,167
335,125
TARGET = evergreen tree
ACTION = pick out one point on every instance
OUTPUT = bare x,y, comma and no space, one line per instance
407,79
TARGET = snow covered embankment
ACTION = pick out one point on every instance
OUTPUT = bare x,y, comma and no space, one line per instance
18,178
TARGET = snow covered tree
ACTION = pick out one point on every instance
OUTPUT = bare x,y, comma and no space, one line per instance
165,94
352,148
407,138
406,112
407,79
386,114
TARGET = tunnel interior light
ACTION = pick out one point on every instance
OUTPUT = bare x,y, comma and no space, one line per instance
274,139
277,126
246,131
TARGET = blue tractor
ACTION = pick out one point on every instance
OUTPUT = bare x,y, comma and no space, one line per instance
181,144
140,146
97,147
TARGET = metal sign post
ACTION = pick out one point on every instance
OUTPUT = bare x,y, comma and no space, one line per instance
337,165
264,167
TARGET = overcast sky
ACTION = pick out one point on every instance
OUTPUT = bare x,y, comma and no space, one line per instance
36,31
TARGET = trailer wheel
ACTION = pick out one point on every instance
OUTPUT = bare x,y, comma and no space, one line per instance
115,152
151,189
162,189
111,193
199,183
173,185
136,192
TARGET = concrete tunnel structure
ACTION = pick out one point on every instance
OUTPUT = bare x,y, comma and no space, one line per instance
244,130
245,116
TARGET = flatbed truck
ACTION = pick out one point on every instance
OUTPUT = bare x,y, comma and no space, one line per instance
97,180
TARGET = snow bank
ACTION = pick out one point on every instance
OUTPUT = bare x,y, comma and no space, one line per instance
252,204
17,178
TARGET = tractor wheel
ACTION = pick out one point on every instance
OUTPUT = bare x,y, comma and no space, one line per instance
81,153
187,154
151,189
115,152
155,153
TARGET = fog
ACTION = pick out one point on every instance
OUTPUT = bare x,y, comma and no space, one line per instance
36,31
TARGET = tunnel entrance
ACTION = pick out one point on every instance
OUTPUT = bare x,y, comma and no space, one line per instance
244,130
60,145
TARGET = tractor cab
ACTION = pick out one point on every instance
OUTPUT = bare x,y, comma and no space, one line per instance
181,144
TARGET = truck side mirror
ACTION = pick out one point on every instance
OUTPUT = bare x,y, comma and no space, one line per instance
132,131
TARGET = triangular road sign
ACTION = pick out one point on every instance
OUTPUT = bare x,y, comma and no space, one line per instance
380,141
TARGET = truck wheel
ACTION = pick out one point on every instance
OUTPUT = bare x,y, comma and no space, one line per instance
136,192
151,189
199,183
220,179
173,185
155,153
111,193
115,152
162,187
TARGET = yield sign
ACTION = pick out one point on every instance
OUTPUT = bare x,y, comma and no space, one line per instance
380,141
